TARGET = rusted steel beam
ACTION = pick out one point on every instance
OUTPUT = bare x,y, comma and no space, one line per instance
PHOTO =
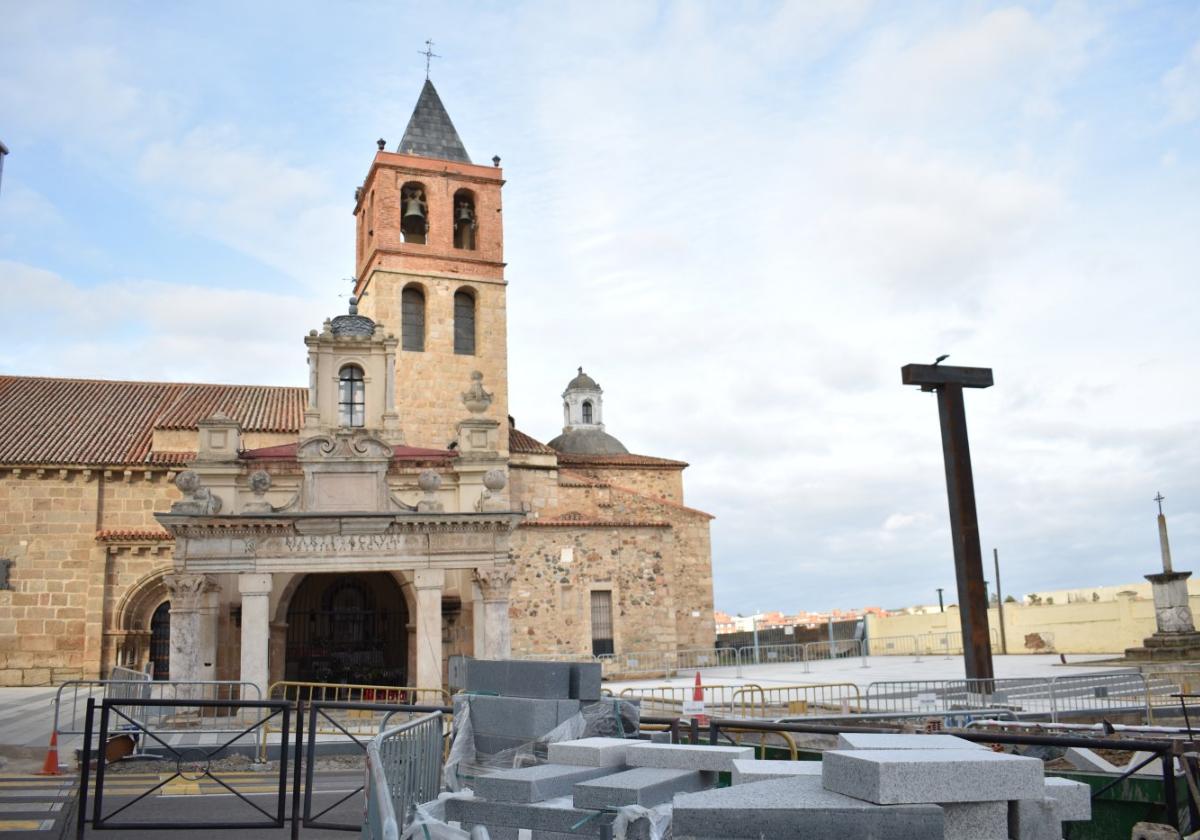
948,383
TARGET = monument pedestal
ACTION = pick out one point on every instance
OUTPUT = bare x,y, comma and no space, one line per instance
1176,638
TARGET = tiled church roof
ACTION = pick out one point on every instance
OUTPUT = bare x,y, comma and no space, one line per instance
576,459
521,443
87,421
430,133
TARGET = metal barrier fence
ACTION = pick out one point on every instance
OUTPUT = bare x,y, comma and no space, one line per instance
404,769
1043,697
70,704
120,672
669,699
801,653
362,719
754,701
946,644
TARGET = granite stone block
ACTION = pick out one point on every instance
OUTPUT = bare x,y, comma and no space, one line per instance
557,816
646,786
592,752
585,681
902,741
489,676
513,717
798,808
541,680
685,756
1034,819
747,771
519,678
567,709
976,820
890,777
533,784
1074,799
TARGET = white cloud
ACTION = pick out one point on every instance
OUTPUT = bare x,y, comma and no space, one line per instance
1181,86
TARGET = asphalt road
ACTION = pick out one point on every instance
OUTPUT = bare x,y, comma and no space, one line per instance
39,808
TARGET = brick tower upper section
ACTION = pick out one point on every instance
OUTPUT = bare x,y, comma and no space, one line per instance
430,267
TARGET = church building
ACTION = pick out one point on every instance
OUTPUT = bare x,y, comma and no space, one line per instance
360,529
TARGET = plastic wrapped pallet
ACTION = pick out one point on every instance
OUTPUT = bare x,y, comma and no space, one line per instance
607,718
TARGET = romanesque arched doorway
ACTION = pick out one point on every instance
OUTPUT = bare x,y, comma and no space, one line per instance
347,629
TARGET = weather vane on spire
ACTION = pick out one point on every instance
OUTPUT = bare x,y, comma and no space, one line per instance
429,55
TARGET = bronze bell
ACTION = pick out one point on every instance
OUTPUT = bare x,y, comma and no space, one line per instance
466,213
414,208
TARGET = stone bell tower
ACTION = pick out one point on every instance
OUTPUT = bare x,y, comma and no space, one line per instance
430,269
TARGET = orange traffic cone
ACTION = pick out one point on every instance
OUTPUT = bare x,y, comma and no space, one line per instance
698,696
50,766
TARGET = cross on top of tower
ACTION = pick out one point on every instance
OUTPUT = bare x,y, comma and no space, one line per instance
1160,498
429,54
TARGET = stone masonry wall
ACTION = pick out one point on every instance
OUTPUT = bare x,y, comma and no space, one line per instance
662,484
52,620
551,597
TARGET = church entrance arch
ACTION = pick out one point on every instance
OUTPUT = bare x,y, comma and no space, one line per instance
347,628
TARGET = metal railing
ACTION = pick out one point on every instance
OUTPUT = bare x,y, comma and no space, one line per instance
404,770
755,701
945,644
70,704
362,720
1049,697
669,699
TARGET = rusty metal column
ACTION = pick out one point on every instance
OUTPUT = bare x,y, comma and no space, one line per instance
948,383
964,532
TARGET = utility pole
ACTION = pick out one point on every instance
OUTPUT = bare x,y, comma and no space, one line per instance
941,606
1000,602
948,383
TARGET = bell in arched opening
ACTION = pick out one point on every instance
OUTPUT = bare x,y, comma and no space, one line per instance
414,218
464,220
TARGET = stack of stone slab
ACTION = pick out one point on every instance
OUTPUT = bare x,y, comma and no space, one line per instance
587,782
512,702
888,786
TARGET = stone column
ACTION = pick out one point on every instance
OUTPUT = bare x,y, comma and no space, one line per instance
429,583
256,629
494,585
190,607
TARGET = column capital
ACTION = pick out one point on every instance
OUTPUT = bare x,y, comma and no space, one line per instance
429,578
187,591
495,581
254,584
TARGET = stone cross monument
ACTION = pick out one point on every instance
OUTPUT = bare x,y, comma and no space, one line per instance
1175,637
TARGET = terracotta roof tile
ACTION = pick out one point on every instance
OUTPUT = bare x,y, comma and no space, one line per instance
522,443
572,459
83,421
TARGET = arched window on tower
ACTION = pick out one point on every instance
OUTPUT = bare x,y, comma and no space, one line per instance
414,213
351,397
465,220
587,411
412,318
464,323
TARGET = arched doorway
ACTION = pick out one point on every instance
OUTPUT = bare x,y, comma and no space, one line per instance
160,641
347,629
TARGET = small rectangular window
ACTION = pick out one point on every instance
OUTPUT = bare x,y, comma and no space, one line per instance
602,623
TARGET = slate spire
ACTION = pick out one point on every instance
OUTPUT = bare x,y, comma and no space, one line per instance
430,132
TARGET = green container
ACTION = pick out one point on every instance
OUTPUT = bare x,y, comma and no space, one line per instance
1117,810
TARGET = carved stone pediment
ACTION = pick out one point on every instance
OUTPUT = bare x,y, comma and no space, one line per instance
344,446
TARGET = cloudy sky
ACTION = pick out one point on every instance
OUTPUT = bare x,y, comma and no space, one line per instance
741,218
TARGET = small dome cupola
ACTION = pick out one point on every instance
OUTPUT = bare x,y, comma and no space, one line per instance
583,420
